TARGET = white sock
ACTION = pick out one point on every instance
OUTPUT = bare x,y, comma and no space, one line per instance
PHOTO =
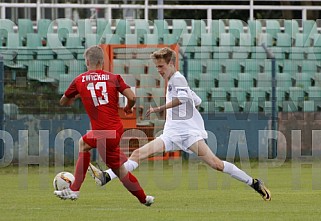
130,165
236,173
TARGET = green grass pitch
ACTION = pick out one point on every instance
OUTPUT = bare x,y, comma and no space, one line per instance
182,192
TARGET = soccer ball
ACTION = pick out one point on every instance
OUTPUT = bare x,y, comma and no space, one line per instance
63,180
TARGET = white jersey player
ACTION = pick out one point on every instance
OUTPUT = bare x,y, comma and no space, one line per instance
183,130
184,124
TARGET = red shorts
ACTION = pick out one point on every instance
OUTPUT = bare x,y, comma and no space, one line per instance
107,144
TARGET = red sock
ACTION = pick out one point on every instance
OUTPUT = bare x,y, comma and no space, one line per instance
133,186
81,169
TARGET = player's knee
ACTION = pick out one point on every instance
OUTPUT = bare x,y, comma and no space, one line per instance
135,155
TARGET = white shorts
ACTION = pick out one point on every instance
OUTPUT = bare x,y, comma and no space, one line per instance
180,142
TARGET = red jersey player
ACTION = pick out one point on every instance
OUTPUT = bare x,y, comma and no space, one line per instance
99,91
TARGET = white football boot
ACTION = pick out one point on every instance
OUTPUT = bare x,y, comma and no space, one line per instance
67,194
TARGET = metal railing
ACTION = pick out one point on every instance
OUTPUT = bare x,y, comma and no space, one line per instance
251,7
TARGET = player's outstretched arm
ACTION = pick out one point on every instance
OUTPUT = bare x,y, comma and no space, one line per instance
175,102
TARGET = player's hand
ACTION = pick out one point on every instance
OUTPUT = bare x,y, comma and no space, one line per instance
71,101
128,110
152,110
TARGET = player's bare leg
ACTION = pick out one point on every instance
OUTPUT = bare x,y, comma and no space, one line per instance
156,146
204,153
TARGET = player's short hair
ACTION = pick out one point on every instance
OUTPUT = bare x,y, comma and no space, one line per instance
164,53
95,55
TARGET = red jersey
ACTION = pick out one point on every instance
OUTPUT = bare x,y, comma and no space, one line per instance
99,92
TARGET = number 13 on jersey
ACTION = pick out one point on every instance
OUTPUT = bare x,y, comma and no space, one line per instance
99,86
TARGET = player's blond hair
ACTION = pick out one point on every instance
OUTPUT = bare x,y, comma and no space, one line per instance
164,53
95,55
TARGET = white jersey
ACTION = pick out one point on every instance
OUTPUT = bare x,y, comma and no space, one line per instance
185,118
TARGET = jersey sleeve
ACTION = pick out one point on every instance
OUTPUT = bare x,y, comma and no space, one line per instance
182,89
72,89
122,84
197,100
